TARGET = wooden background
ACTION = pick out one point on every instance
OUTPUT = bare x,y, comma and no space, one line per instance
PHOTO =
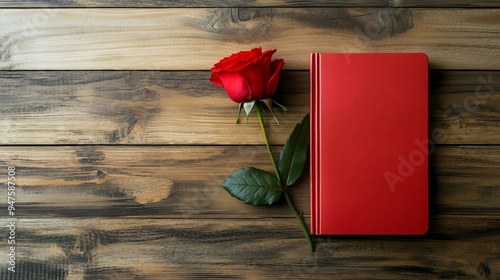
120,141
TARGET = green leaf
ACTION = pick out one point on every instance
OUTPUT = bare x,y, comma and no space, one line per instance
294,154
253,186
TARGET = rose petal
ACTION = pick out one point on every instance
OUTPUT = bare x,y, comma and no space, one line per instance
266,66
236,86
237,60
269,53
215,79
266,71
276,67
253,53
246,60
253,74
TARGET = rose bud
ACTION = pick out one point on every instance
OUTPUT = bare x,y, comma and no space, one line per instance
248,75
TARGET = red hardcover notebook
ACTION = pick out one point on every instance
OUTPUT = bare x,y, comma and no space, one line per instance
369,143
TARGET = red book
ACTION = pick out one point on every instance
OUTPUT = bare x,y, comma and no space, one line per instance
369,143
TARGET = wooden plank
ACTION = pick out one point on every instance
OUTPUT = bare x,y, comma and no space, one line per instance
461,177
464,107
196,38
184,182
130,108
461,248
243,3
156,107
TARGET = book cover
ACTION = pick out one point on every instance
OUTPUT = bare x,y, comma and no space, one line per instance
369,143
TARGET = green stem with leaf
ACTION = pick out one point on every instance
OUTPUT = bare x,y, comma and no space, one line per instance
259,109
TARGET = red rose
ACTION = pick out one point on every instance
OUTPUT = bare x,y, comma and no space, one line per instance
248,75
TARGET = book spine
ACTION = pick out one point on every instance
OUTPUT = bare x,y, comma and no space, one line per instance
314,151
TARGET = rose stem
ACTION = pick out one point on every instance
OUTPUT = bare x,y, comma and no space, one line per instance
258,108
299,218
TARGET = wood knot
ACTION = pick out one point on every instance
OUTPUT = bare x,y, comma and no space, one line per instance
484,269
244,25
145,94
388,22
489,267
368,23
100,174
242,14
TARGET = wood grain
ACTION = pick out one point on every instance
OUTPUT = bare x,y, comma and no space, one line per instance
196,38
157,107
184,182
463,107
251,249
130,108
243,3
118,172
